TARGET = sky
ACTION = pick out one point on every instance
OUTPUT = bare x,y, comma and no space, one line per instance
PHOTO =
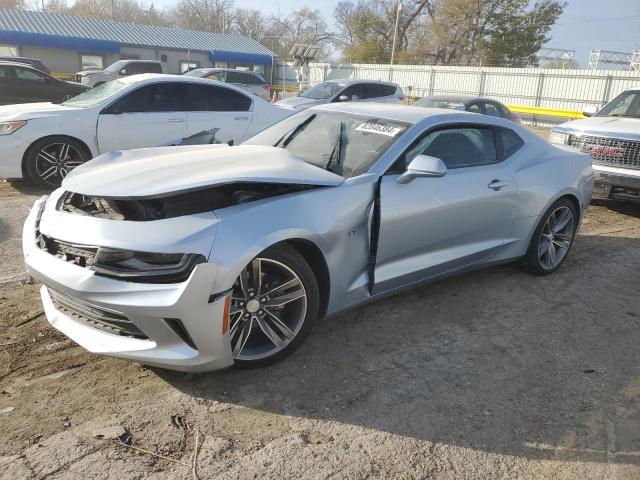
584,25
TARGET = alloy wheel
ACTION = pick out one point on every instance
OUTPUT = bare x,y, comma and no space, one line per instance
556,237
268,309
55,161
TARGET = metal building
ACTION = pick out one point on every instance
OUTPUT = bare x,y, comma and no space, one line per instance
68,44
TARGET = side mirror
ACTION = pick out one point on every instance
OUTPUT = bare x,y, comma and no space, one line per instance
589,111
123,71
423,166
343,98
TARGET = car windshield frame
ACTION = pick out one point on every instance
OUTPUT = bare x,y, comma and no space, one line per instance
632,110
313,93
96,95
347,144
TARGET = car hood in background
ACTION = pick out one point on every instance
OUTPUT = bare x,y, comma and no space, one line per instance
299,102
623,127
84,73
153,172
28,111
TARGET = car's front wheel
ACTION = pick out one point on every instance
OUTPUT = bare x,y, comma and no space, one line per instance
553,238
274,304
51,159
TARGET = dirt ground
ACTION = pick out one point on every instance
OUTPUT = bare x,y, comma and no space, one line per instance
494,374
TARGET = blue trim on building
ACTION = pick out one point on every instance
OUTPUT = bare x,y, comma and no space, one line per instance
88,45
240,57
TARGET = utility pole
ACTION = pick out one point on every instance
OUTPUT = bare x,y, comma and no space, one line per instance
395,32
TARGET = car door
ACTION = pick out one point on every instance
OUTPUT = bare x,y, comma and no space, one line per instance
8,86
433,225
34,86
215,106
151,115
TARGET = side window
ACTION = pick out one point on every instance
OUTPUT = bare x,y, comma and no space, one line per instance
29,75
156,67
373,90
457,147
354,92
251,79
388,90
492,109
510,141
159,97
205,98
6,73
235,77
219,76
474,108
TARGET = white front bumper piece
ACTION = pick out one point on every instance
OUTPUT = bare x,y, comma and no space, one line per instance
175,326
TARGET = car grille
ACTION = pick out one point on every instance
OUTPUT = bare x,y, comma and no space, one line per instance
77,254
609,151
95,317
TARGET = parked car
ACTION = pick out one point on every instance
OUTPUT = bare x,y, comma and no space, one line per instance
612,137
33,62
468,104
21,83
346,91
119,69
193,258
254,82
47,141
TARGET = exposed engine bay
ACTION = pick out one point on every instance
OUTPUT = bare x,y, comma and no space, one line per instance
174,205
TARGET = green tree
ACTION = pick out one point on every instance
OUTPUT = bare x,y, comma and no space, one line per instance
515,32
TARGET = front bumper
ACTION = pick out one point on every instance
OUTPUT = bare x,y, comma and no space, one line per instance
616,183
151,308
12,149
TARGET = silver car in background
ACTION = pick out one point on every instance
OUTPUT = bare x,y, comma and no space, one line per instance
612,138
253,82
346,91
196,258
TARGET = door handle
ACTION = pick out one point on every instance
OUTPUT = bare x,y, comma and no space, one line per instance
176,120
242,118
497,184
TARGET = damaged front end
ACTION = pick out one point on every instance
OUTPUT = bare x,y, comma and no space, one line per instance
174,204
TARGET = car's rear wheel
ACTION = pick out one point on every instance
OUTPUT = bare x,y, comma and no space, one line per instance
51,159
274,304
553,238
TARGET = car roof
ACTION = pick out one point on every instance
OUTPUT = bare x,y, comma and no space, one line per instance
215,69
135,60
351,81
17,64
460,98
390,111
166,77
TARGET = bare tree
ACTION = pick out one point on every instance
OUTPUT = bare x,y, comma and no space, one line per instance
205,15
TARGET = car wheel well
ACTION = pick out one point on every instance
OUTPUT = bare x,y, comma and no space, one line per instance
576,203
313,255
27,152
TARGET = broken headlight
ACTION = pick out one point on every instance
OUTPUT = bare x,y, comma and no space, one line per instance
144,266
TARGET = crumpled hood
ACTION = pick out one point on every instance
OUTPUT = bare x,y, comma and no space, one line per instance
28,111
628,128
153,172
299,102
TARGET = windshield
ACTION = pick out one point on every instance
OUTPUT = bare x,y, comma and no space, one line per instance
322,91
345,144
439,103
116,67
626,104
96,95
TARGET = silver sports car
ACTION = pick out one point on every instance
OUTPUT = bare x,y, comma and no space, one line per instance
195,258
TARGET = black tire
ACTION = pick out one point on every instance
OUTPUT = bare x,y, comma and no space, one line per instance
292,259
48,153
538,263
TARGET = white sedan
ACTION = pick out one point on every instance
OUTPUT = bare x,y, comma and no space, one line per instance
45,141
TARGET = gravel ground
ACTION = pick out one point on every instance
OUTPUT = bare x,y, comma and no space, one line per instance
494,374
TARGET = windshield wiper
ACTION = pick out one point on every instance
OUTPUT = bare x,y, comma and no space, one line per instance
630,115
287,137
337,149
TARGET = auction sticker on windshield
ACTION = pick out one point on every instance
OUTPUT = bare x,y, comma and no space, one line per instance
379,128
